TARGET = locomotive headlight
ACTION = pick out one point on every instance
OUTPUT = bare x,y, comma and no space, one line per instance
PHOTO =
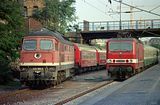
109,61
131,60
37,55
38,72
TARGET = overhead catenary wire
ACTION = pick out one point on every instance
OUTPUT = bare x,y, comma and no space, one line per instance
138,8
97,9
155,8
94,7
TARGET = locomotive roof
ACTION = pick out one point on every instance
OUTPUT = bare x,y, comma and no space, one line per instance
124,39
131,39
46,32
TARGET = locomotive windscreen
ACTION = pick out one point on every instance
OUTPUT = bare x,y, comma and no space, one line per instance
120,46
46,45
29,44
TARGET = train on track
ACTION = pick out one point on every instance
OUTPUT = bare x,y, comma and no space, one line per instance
128,56
46,58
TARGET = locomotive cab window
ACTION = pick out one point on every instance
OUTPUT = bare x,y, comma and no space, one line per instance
120,46
46,45
29,45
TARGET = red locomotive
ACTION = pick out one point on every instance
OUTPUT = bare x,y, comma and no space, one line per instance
47,58
124,57
127,56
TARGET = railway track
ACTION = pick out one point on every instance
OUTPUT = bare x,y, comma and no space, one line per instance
82,93
58,95
27,95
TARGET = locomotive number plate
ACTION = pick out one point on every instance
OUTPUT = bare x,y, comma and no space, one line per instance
120,60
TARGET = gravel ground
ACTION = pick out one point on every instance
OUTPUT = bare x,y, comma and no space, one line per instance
60,92
80,100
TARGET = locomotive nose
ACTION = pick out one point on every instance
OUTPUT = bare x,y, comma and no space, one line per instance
35,58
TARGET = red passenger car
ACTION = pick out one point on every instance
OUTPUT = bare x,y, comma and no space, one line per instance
101,57
124,56
85,58
45,58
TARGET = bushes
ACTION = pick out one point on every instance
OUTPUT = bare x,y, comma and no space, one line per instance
11,31
5,74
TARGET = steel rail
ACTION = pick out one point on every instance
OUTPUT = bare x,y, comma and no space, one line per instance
83,93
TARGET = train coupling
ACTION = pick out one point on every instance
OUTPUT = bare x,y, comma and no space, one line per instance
37,74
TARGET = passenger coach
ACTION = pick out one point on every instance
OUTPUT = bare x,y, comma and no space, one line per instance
85,58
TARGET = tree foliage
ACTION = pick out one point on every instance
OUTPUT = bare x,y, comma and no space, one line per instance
57,14
11,29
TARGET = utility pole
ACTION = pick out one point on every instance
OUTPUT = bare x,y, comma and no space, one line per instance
120,14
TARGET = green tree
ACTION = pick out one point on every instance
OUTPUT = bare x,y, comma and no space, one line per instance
11,29
57,14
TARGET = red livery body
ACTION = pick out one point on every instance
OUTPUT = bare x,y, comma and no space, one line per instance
45,58
85,57
101,57
125,56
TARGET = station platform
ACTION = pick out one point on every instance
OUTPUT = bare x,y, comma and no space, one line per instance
141,89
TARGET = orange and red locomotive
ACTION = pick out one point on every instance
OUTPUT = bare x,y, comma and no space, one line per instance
45,58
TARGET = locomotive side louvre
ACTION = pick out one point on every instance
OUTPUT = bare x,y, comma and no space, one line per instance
124,56
51,57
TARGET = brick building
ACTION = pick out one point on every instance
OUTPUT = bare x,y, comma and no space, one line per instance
28,9
31,5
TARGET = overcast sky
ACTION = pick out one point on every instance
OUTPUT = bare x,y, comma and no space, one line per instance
102,10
